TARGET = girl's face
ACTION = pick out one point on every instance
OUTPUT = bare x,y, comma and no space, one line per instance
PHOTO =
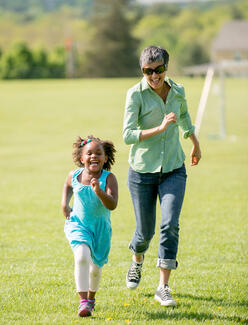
93,156
155,80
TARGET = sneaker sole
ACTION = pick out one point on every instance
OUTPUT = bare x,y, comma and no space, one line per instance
131,285
163,303
84,313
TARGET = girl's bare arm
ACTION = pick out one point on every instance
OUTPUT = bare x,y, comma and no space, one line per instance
66,196
109,197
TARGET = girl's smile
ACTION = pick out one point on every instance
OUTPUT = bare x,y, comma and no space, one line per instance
93,157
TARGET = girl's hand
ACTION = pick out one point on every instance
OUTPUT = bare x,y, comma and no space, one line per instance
66,211
168,119
109,197
95,185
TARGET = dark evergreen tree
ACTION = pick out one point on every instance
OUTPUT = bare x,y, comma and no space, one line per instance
113,51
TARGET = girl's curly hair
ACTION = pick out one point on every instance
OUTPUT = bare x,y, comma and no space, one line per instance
108,148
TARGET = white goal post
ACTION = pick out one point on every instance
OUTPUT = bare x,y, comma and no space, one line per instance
203,99
223,68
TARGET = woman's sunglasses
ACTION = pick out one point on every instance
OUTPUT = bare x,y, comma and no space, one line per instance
159,69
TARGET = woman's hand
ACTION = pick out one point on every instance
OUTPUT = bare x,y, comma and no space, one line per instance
168,119
195,155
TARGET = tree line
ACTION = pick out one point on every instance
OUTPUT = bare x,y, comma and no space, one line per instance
106,36
21,62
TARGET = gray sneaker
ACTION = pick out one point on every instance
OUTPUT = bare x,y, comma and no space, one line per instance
134,275
164,297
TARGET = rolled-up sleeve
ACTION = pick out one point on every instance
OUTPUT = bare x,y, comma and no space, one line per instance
185,120
131,133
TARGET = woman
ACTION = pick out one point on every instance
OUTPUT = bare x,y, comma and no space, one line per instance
155,107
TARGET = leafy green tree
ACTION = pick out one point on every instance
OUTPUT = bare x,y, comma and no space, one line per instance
17,63
22,63
192,53
113,49
236,12
106,44
56,63
23,6
164,8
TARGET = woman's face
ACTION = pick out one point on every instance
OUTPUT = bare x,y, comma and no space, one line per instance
155,80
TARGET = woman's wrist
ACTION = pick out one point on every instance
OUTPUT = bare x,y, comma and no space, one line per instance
194,139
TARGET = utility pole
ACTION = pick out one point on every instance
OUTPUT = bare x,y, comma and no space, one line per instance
69,58
222,102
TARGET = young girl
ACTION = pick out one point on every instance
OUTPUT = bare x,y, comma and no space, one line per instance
88,226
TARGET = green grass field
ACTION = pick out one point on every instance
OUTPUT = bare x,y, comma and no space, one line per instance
39,120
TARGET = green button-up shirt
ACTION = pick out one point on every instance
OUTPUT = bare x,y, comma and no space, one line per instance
145,109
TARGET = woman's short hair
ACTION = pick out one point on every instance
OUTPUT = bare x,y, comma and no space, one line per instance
153,54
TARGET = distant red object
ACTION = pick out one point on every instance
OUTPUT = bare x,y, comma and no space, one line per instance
68,43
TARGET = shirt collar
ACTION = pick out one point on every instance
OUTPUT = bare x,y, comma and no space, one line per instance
174,87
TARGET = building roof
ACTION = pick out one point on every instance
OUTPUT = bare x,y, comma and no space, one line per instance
232,36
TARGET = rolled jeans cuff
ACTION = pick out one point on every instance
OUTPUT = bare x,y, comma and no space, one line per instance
167,264
136,253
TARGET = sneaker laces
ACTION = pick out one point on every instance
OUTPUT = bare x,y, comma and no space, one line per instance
165,293
135,271
90,305
87,305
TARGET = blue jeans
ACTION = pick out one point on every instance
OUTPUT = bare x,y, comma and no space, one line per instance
144,189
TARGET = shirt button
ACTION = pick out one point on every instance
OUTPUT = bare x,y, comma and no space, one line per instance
162,152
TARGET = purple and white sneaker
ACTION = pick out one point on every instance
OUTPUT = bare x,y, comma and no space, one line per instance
85,308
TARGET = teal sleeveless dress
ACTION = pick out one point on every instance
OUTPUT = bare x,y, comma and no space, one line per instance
89,220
